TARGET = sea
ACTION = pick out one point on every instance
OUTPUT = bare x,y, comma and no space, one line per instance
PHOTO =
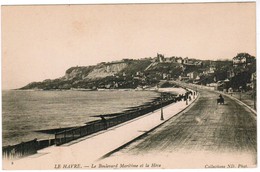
24,112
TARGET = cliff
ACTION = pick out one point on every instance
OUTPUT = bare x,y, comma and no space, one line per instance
102,75
147,72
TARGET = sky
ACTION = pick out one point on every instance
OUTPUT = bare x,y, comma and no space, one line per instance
42,41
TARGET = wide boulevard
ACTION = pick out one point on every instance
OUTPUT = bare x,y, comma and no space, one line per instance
205,135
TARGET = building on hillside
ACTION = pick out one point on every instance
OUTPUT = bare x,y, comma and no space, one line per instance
173,59
230,73
212,68
209,70
108,69
197,78
192,75
198,63
183,78
205,71
139,73
243,60
153,60
213,84
166,76
160,58
239,61
168,60
253,76
186,60
179,60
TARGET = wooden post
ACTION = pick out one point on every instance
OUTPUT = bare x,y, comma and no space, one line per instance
161,109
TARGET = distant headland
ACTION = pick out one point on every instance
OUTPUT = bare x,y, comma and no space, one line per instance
147,72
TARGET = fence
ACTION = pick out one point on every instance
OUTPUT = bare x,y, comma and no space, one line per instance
95,126
31,147
25,148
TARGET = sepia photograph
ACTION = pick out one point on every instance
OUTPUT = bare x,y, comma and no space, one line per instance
129,86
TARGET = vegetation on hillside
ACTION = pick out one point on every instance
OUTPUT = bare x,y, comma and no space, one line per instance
148,72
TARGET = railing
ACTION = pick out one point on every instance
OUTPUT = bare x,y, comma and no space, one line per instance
22,149
25,148
31,147
95,126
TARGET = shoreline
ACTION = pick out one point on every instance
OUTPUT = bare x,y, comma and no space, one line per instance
52,131
116,136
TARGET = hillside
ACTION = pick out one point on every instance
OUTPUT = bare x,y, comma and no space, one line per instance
147,72
103,75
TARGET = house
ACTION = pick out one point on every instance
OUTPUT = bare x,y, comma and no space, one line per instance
186,60
192,75
108,69
138,73
212,69
209,70
168,60
205,71
197,78
239,61
173,59
253,76
213,84
166,76
243,60
179,60
153,60
230,73
182,77
198,63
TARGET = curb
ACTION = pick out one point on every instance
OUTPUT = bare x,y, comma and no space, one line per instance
239,101
204,88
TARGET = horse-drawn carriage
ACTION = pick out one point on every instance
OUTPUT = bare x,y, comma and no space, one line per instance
220,100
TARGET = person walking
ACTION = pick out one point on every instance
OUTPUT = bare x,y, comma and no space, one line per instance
104,121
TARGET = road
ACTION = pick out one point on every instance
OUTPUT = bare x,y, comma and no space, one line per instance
206,135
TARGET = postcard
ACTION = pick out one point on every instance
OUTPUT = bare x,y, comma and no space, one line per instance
129,86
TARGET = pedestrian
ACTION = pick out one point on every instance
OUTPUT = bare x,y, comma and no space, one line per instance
104,121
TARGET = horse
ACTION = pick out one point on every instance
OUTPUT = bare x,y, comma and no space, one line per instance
220,101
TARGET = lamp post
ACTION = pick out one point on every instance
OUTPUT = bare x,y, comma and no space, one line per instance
161,109
240,89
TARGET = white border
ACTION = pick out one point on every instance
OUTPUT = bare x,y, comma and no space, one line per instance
39,2
60,2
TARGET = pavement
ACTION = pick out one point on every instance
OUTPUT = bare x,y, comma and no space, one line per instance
205,136
84,153
247,98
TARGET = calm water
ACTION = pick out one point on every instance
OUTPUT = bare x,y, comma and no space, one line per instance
27,111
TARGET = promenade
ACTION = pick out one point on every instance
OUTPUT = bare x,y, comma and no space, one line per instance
82,153
206,136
